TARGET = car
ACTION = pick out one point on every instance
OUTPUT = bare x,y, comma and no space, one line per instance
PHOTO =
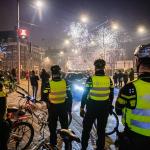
77,81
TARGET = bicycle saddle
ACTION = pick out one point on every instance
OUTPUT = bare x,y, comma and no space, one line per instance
16,111
69,135
12,109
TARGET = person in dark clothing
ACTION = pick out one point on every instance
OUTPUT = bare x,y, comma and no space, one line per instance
120,78
131,74
97,97
133,104
45,78
125,77
59,97
115,78
13,73
4,125
34,83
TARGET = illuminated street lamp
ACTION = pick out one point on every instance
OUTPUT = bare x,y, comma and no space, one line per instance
66,42
114,25
84,18
141,30
39,5
61,53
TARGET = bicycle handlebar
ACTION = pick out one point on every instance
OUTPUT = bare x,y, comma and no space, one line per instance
27,97
23,95
68,134
22,89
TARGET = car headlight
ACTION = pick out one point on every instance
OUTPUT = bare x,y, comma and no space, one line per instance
78,87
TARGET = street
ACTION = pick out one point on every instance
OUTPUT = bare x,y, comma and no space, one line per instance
76,124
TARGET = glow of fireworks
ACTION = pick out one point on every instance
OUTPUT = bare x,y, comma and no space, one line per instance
78,34
102,38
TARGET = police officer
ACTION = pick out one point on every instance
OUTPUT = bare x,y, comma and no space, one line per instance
97,97
4,125
59,103
133,103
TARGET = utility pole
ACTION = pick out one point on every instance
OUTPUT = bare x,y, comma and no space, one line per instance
18,40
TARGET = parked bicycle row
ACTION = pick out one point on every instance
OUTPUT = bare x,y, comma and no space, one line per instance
96,106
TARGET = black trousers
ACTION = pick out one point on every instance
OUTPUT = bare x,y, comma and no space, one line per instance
95,111
34,90
132,140
42,91
56,111
5,129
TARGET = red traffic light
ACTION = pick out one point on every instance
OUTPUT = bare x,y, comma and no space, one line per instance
23,33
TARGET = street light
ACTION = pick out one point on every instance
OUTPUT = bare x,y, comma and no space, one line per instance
141,30
66,42
114,25
39,4
84,18
18,41
61,53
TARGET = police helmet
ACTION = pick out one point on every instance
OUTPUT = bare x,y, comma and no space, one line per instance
99,63
142,54
55,69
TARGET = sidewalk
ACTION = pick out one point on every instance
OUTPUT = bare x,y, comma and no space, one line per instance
25,84
13,97
76,124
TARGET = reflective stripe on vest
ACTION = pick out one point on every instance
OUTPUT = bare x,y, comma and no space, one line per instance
2,94
141,112
138,119
100,88
142,125
57,91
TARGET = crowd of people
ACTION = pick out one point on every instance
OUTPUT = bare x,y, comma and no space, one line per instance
122,78
133,103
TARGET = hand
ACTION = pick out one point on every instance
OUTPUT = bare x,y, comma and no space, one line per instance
111,107
82,112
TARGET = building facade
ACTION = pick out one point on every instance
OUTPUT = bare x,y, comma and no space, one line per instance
31,56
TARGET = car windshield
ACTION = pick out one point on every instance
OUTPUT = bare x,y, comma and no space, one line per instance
75,76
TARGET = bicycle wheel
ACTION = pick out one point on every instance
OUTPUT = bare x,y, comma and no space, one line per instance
21,136
69,118
44,146
112,124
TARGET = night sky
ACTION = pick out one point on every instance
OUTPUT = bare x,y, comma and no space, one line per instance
58,14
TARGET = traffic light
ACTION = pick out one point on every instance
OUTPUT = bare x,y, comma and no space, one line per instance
23,33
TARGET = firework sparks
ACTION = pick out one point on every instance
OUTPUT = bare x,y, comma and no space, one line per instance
102,41
78,34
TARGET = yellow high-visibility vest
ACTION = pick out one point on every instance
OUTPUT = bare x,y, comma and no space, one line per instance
100,89
2,94
138,119
58,90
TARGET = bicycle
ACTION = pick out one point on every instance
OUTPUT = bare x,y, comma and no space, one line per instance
113,118
30,105
20,129
67,136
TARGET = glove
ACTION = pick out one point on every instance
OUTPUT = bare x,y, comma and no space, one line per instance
111,107
82,112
